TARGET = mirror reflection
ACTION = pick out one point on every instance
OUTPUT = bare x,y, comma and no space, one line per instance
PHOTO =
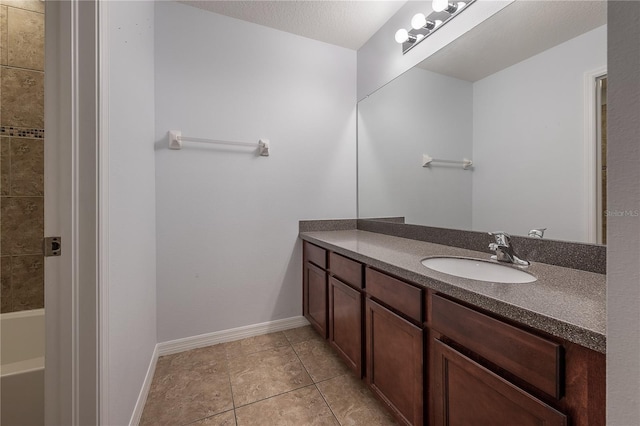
523,96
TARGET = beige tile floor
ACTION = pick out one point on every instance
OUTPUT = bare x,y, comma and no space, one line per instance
289,378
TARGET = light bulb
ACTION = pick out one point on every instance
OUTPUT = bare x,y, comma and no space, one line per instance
438,23
418,21
402,35
461,4
440,5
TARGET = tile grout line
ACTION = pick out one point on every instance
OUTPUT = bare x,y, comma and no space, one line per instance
227,359
315,384
327,402
276,395
22,68
20,8
285,392
233,400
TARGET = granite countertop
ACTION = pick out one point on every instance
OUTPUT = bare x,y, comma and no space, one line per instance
567,303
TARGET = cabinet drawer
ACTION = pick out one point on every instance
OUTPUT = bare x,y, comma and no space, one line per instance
315,255
397,294
466,393
349,271
536,360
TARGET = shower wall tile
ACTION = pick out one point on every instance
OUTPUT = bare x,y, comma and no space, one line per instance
21,154
32,5
22,225
22,102
25,39
6,297
27,167
4,33
5,166
27,282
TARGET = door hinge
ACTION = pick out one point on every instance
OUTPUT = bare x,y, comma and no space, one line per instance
52,246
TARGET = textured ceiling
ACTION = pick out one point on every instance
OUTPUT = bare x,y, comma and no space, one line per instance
519,31
343,23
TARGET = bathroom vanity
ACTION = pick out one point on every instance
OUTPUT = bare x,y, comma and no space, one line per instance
442,350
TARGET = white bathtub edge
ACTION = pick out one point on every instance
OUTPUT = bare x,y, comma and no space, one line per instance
144,391
26,366
23,314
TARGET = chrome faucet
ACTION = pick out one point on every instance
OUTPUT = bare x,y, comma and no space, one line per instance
504,249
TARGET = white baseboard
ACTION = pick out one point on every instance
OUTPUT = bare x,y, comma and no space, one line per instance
144,392
202,340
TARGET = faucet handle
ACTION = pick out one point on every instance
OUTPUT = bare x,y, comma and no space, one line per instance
502,238
537,233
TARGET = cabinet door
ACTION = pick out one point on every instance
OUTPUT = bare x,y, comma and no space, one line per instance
345,323
394,362
465,393
315,297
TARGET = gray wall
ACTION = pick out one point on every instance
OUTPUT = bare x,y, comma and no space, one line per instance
132,230
396,126
623,248
228,252
529,142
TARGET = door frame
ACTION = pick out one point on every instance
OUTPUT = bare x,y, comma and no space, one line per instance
590,153
73,353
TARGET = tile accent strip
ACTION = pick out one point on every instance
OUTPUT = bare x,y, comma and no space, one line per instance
21,132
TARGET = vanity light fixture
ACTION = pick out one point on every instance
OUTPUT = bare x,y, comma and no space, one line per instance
423,25
444,5
403,36
420,21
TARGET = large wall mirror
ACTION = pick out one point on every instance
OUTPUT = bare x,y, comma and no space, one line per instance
523,96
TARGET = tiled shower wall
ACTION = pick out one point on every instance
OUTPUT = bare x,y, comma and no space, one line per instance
21,154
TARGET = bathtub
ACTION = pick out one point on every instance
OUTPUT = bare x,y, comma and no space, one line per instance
22,368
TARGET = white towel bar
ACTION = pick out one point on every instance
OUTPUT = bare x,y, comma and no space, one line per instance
426,162
176,139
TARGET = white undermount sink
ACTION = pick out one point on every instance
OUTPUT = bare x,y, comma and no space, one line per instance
478,270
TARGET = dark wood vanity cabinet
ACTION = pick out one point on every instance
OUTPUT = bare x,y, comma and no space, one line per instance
314,287
434,360
486,371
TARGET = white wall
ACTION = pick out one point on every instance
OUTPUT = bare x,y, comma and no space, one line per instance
380,59
419,113
528,141
227,221
623,239
132,239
